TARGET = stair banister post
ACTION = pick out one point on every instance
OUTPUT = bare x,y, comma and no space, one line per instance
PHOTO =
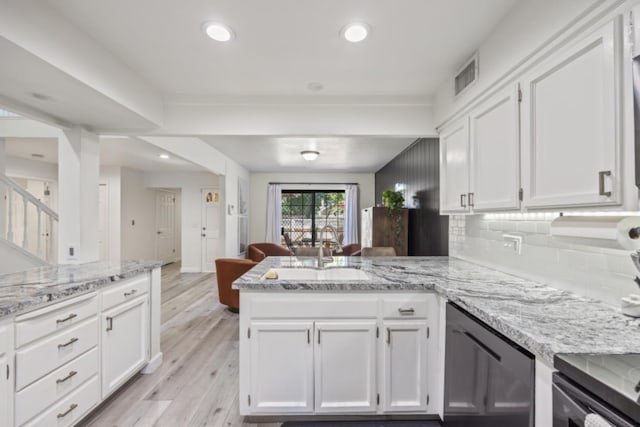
39,247
25,242
10,215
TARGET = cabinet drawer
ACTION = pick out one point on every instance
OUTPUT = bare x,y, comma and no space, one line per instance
409,307
44,322
70,409
125,291
41,394
51,353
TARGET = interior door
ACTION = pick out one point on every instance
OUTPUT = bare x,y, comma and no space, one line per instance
454,167
211,226
495,153
571,125
165,226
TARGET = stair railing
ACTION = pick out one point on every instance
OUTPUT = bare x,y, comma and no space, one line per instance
43,221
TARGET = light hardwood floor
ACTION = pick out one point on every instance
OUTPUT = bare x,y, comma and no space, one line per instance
197,383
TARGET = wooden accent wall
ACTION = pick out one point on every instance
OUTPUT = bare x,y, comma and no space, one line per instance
418,168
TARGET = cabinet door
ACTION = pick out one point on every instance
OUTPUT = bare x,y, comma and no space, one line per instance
345,366
6,391
454,167
281,375
125,342
495,155
571,125
405,366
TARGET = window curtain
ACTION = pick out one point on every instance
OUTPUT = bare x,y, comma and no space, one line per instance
350,215
274,213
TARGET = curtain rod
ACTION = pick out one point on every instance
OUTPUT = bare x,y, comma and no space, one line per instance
314,183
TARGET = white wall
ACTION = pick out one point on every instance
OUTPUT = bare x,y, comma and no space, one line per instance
110,175
138,216
259,182
190,185
529,26
26,168
13,259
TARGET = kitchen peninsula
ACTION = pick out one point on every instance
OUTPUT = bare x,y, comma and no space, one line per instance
292,320
70,335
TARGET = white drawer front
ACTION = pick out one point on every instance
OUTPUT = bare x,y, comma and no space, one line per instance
127,290
71,408
43,323
39,395
51,353
405,307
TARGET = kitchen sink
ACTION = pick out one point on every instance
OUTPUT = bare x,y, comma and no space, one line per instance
313,274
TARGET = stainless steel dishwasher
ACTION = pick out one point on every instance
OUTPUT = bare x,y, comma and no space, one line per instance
489,380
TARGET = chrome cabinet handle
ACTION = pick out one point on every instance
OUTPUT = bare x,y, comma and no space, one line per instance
406,311
71,375
318,336
462,200
71,341
109,323
71,408
308,336
388,336
66,319
471,195
133,292
601,176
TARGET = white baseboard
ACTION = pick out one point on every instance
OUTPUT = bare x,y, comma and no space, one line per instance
189,270
153,364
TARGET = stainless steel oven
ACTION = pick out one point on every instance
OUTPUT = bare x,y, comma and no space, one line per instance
489,380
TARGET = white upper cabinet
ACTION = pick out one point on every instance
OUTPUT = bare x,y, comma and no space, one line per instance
571,125
495,156
454,167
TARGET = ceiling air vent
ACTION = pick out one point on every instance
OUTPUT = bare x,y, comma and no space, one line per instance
467,75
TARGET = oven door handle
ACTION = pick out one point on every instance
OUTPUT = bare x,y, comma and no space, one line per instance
575,406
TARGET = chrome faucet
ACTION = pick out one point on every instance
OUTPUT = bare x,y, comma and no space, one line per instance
321,258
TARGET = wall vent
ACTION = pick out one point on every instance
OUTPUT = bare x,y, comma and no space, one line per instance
467,75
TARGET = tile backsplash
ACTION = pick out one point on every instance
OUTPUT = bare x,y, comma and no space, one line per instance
594,271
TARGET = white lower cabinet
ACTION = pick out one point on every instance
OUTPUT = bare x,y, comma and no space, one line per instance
6,375
338,353
281,367
405,366
125,342
345,366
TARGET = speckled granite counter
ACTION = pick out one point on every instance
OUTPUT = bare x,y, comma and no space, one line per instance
542,319
20,292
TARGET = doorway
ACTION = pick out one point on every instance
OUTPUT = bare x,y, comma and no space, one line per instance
165,226
210,233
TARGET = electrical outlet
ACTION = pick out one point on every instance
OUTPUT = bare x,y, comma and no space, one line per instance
71,252
513,241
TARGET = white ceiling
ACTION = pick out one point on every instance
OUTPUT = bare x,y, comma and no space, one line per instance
126,152
282,154
282,45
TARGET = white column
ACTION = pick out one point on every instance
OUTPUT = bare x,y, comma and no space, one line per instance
78,179
3,191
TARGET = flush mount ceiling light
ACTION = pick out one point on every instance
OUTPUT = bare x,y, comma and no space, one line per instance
355,32
164,156
309,155
315,86
218,32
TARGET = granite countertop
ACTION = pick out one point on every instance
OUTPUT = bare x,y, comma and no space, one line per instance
542,319
35,288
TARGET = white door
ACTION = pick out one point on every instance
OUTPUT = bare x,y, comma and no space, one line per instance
495,154
345,366
454,167
211,226
103,221
165,226
571,125
281,373
405,366
125,342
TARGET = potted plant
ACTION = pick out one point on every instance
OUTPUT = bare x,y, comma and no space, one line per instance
394,202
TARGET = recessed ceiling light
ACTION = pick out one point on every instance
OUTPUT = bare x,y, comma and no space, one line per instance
356,32
164,156
41,96
218,32
309,155
37,156
315,86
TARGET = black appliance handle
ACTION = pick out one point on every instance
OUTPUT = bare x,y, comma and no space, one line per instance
483,346
567,400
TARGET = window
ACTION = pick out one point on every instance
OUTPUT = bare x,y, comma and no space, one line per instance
305,212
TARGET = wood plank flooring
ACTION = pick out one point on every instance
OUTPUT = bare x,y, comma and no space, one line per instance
197,383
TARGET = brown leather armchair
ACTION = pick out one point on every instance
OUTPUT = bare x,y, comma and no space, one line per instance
352,249
228,270
259,251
